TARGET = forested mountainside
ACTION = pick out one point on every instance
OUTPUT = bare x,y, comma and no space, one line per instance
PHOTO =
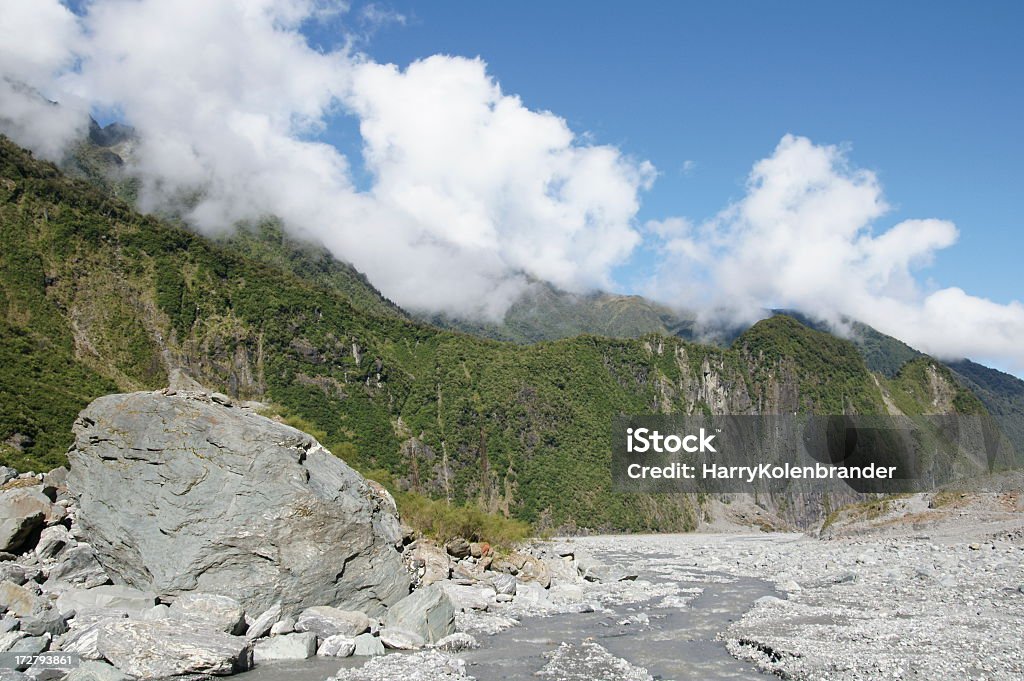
95,298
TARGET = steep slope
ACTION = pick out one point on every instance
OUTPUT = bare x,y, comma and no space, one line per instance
95,297
1002,395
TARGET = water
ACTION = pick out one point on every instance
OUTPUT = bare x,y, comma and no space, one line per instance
679,643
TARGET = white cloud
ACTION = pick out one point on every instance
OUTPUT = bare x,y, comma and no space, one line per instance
803,237
37,42
473,192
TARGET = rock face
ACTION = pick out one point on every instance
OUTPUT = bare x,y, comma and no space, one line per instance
178,493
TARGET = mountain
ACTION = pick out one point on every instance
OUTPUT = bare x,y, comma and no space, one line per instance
545,312
97,298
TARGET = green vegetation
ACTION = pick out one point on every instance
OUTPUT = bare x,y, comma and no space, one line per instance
469,432
546,313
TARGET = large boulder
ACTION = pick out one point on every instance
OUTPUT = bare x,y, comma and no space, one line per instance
178,493
288,647
23,511
110,597
325,621
427,612
223,613
170,648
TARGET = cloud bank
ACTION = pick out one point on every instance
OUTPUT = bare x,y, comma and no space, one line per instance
471,193
803,237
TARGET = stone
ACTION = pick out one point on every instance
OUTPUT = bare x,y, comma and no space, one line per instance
432,563
326,621
532,594
284,626
157,612
337,646
533,569
367,645
503,583
51,541
166,648
8,639
396,639
83,636
93,670
299,646
12,572
31,645
790,586
77,566
220,612
260,627
457,548
457,643
479,549
427,612
177,493
47,620
23,511
468,598
19,600
110,597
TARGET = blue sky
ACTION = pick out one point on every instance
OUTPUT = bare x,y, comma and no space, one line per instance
930,95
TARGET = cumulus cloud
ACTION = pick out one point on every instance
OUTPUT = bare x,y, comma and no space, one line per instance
473,193
804,236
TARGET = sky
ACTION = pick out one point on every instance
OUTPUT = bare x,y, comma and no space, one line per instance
854,159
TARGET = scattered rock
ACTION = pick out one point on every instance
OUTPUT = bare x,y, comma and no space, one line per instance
299,646
457,642
428,665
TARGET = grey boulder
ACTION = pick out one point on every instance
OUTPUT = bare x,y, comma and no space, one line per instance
325,621
110,597
427,612
368,645
91,670
177,493
261,626
300,646
396,639
337,646
223,613
23,510
168,648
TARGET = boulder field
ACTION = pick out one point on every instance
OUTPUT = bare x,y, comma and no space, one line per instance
194,538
